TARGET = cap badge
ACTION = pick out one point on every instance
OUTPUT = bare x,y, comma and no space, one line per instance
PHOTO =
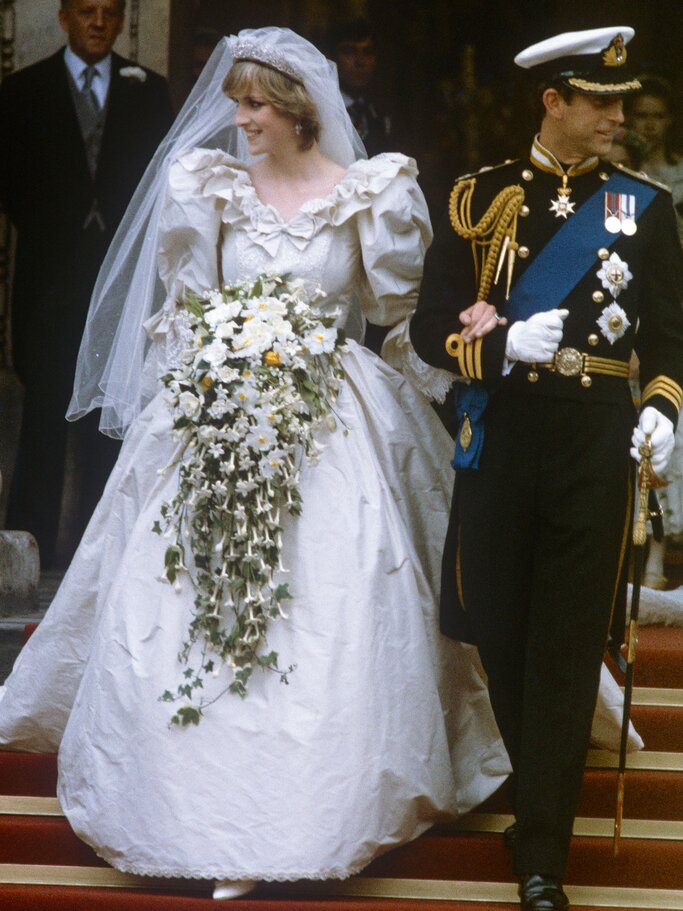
615,55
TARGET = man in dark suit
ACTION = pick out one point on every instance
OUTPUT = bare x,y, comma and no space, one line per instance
582,261
78,130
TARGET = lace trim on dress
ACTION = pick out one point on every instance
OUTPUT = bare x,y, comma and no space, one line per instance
433,382
269,876
215,174
397,350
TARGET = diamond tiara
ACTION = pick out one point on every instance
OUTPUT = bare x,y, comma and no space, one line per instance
246,49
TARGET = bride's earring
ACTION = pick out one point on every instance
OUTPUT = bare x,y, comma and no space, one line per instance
298,128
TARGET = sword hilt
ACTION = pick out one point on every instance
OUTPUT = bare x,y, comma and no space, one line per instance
644,477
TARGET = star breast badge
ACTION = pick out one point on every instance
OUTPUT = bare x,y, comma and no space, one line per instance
614,274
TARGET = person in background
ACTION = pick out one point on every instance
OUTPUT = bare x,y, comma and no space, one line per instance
650,115
79,128
628,149
354,51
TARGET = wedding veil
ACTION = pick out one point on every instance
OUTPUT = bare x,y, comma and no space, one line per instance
109,373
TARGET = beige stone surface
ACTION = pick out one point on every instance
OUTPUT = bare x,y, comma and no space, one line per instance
19,573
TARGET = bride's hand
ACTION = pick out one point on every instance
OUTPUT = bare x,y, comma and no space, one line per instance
480,319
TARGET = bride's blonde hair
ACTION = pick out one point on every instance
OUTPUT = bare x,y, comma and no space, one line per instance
286,95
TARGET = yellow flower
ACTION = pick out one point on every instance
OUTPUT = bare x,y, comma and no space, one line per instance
272,359
207,382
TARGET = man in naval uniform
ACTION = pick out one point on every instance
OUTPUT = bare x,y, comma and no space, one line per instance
78,130
581,261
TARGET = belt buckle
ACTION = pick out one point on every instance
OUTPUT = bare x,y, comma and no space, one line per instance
568,362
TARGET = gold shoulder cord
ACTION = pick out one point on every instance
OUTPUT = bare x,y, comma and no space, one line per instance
493,237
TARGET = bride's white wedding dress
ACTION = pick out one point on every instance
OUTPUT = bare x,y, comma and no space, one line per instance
385,725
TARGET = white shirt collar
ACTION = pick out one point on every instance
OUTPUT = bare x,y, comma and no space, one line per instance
100,84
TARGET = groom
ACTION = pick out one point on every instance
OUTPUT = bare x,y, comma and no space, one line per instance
582,260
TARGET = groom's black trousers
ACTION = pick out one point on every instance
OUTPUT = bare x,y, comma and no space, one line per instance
538,536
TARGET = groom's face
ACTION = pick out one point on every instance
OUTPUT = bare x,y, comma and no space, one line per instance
92,26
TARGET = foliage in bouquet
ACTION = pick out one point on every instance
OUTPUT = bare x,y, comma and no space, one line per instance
257,378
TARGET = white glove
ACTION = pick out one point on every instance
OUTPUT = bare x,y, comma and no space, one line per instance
536,339
661,431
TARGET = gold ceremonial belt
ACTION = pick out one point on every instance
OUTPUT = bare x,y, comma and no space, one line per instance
570,362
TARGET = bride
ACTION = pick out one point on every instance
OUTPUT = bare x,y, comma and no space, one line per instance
356,754
385,726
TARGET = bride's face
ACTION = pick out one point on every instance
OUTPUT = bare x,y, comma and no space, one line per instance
267,130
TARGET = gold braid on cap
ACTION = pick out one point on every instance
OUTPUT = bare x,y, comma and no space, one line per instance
493,236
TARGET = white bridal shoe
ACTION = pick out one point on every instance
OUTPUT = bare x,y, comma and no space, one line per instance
232,888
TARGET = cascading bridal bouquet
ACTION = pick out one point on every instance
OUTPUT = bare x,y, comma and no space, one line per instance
256,380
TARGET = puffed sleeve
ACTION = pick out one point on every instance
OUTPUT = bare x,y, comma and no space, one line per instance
190,223
394,232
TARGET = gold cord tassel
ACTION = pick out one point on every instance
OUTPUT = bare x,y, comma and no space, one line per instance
493,237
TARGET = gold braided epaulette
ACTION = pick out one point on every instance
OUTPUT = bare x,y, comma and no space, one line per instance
640,175
493,237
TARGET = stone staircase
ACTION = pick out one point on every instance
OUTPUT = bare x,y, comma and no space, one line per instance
451,868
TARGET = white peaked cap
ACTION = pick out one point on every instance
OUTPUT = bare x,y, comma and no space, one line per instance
592,62
571,44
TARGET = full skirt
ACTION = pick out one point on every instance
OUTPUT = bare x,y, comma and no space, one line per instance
385,726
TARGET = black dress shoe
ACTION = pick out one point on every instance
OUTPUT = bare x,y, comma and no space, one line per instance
538,892
510,835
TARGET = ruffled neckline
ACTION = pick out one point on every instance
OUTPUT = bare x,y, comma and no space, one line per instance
218,176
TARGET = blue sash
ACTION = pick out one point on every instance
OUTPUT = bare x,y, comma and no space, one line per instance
545,285
570,253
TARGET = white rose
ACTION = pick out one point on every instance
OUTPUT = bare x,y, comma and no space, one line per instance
226,330
189,404
255,338
215,353
227,374
223,312
207,433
